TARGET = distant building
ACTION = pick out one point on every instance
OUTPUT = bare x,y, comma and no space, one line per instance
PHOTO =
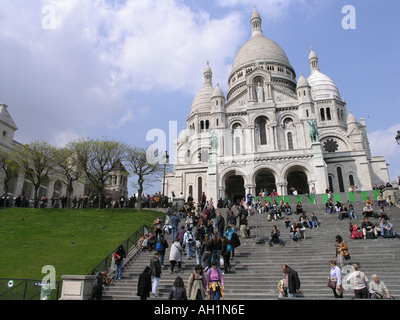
261,136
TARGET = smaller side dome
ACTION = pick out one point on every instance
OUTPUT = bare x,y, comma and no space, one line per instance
217,93
182,135
351,118
302,82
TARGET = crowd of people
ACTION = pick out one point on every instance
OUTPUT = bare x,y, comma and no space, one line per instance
199,231
155,200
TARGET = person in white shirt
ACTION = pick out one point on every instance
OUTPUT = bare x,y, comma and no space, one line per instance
360,282
336,276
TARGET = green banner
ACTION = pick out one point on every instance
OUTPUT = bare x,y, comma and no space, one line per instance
338,197
364,195
376,194
324,197
352,197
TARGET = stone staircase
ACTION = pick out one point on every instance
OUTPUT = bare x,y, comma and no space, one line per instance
257,268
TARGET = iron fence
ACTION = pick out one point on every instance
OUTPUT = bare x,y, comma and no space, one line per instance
26,289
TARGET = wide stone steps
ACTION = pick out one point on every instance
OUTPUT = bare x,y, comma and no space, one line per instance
257,268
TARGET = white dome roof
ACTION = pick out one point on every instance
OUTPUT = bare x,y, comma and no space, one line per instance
302,81
259,48
182,135
202,100
218,92
322,86
351,118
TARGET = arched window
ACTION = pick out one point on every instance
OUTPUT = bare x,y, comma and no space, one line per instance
330,180
199,188
290,140
340,179
322,111
207,124
191,190
351,180
261,124
328,114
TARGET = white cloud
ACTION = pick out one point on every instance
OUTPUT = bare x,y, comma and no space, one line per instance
382,143
63,138
82,73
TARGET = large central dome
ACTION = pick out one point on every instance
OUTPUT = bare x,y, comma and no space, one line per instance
260,53
259,48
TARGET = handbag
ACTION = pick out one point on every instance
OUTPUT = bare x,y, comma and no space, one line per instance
347,257
331,283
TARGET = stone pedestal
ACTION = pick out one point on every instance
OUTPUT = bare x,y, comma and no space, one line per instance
76,287
321,170
211,187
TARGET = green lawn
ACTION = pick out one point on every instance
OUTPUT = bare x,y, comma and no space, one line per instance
73,241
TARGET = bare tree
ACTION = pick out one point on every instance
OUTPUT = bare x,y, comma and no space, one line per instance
97,159
68,170
10,169
38,161
144,166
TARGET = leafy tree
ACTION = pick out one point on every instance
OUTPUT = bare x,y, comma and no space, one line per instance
38,161
144,165
10,169
97,159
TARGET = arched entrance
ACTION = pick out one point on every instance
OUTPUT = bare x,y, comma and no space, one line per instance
265,181
234,188
297,178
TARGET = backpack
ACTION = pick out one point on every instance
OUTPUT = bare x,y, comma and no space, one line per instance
189,236
159,246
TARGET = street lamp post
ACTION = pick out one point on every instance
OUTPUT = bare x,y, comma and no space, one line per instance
398,137
165,165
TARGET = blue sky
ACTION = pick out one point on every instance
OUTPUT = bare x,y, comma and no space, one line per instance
122,68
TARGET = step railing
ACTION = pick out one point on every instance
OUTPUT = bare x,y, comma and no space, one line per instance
130,245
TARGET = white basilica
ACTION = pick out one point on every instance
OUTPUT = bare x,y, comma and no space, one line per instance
271,131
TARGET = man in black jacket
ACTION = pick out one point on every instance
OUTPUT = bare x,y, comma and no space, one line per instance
292,281
275,237
155,270
368,229
220,224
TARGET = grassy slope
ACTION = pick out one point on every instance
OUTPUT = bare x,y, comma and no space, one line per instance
73,241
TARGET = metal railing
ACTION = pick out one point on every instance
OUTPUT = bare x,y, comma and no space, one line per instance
129,244
26,289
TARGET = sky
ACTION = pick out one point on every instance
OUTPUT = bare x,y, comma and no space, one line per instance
124,68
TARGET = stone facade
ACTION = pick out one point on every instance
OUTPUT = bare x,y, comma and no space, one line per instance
271,131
